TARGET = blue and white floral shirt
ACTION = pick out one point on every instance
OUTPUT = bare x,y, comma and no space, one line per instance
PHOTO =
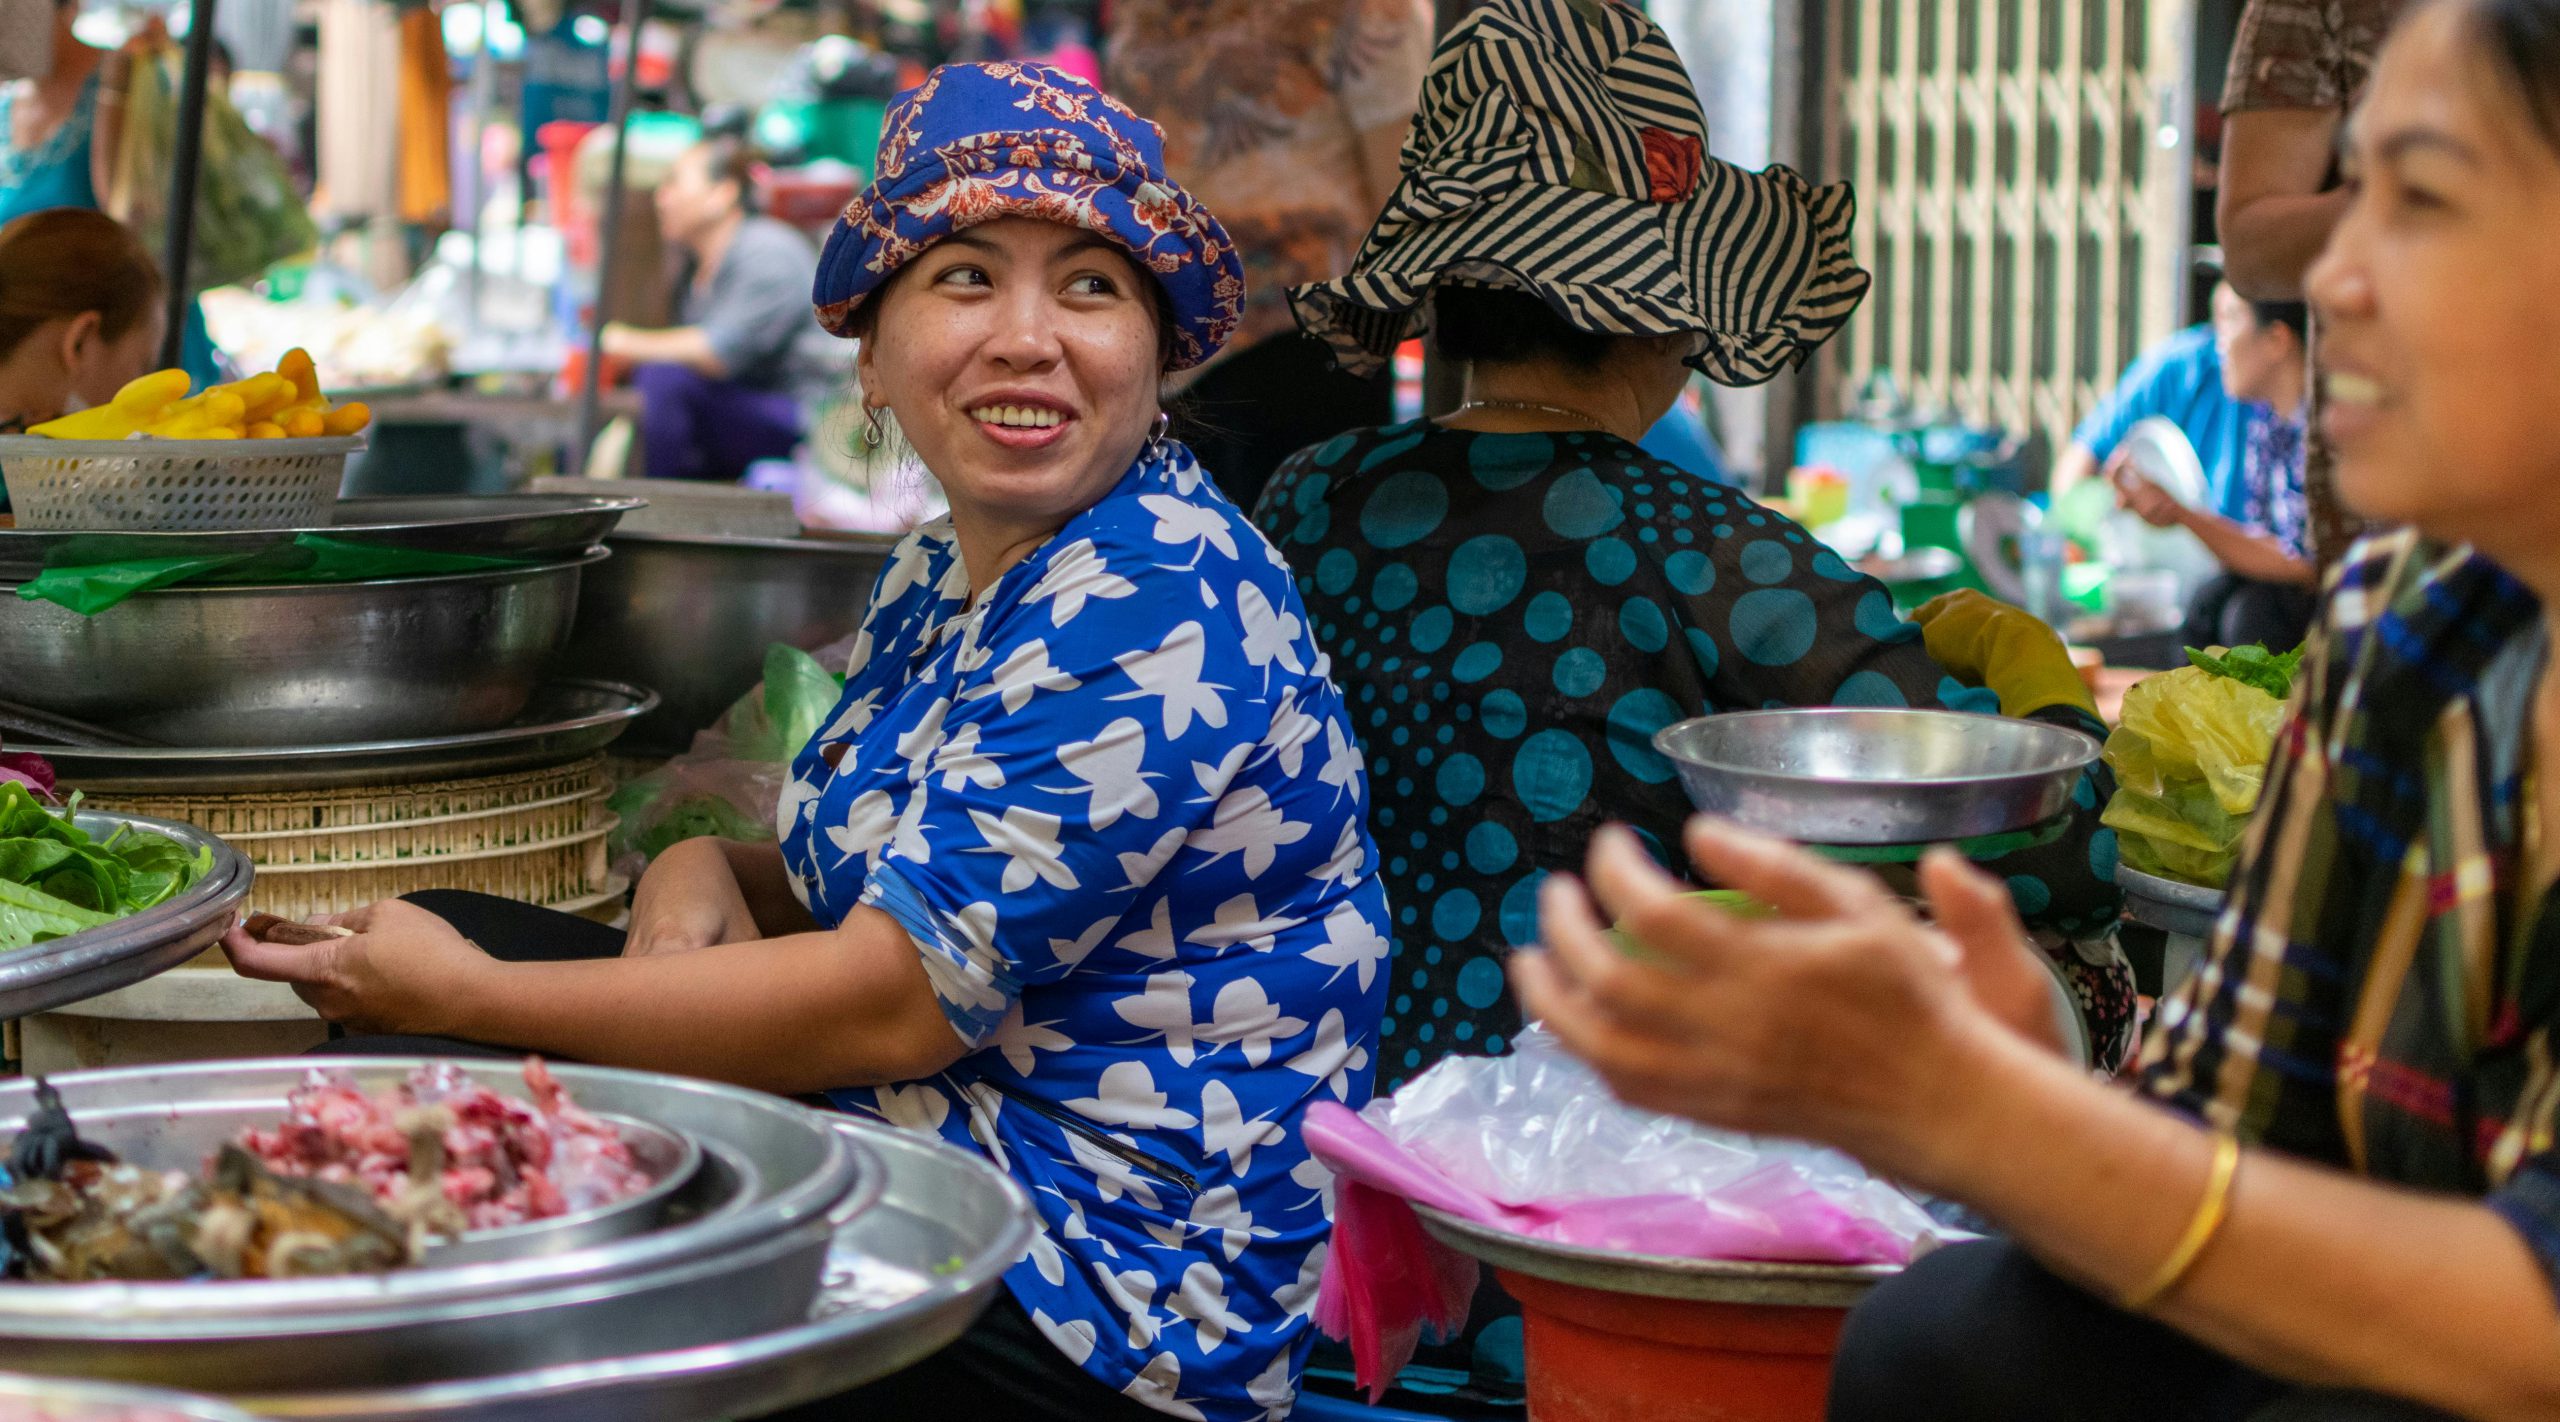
1118,805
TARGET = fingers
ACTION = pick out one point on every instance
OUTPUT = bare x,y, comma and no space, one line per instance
1585,962
1999,965
1784,876
278,962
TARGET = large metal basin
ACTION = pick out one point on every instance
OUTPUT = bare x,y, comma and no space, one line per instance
746,1258
64,1400
298,664
60,971
690,617
1836,775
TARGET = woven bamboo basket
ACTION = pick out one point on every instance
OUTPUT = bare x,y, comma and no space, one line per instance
535,836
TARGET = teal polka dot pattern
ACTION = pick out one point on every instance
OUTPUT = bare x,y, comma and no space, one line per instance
1767,561
1774,627
1551,774
1550,617
1956,696
1461,780
1514,643
1477,662
1486,573
1632,722
1580,506
1610,561
1430,630
1580,672
1869,688
2030,894
1506,462
1394,588
1642,622
1404,510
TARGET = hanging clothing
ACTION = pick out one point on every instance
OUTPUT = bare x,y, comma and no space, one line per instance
1114,801
425,120
359,136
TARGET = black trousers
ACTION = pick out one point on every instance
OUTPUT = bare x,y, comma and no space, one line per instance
1982,1333
2232,611
1002,1368
1264,403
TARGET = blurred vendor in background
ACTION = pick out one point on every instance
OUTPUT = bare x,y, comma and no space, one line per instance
80,314
731,384
2262,534
2179,380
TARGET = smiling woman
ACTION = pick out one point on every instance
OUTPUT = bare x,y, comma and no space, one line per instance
1078,874
2334,1192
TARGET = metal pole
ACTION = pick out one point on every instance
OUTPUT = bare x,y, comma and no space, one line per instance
182,175
591,397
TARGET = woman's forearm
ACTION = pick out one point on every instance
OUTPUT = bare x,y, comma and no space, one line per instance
2315,1275
797,1014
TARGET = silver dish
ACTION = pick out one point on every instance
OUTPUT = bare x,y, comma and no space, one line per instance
691,616
159,1140
1840,775
69,1400
2167,904
302,663
60,971
568,718
892,1298
531,526
743,1256
1737,1281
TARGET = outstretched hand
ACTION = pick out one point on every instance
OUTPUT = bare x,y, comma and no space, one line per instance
403,970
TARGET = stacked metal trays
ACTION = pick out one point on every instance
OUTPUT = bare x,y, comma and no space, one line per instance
66,1400
119,954
536,526
742,1252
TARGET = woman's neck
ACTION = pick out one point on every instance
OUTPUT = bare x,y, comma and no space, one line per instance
1549,396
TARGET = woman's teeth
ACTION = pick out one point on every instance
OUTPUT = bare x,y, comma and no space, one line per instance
1021,417
2353,389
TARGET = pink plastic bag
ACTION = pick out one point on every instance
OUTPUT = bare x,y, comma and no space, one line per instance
1514,1143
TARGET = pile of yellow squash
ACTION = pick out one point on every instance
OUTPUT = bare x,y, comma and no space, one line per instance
285,403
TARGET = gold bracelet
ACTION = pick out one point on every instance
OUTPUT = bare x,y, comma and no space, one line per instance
2200,1230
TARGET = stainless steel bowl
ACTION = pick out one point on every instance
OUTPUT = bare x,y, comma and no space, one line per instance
690,617
299,664
1660,1276
1840,775
2168,904
119,954
70,1400
744,1255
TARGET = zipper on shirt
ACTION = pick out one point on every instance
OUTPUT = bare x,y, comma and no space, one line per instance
1095,1136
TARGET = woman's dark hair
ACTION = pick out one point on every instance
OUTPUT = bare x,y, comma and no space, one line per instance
1502,326
2294,316
730,158
2521,39
60,262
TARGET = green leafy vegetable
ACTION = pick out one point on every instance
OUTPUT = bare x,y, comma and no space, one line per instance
55,880
2252,665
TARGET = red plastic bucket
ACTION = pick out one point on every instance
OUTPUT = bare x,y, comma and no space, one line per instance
1601,1356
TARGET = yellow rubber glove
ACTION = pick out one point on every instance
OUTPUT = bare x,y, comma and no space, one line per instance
1988,642
137,404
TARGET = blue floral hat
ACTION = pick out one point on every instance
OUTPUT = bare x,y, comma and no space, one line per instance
976,142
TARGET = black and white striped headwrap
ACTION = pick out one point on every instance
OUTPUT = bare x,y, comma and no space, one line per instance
1559,149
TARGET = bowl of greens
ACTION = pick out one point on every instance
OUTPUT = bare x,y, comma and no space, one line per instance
92,901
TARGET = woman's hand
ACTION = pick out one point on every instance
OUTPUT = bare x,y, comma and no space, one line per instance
1843,1020
2145,500
690,898
405,970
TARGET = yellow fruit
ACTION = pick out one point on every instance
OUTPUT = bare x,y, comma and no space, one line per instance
265,429
297,368
304,424
140,401
348,418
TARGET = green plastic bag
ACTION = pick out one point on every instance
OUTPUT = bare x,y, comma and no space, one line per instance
248,214
727,785
92,588
2190,757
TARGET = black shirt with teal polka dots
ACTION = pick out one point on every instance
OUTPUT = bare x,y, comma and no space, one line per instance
1513,616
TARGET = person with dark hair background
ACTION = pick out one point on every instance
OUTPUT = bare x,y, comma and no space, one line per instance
2266,592
733,381
79,314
